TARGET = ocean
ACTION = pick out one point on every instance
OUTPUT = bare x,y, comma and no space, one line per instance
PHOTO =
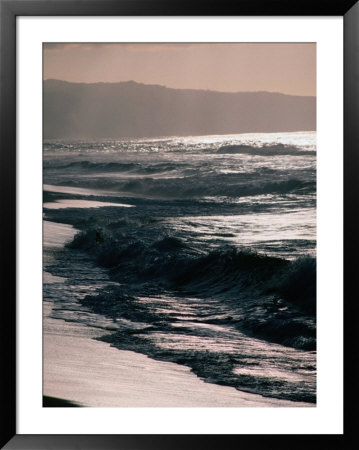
195,250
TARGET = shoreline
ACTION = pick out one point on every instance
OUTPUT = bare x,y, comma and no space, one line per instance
91,373
88,372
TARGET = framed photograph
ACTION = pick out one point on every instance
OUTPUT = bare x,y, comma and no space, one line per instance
173,222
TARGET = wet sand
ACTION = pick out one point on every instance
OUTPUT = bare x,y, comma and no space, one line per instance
89,372
92,373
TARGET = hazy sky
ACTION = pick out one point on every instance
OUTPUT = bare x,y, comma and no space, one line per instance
287,68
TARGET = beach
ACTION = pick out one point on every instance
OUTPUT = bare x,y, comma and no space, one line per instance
181,271
91,373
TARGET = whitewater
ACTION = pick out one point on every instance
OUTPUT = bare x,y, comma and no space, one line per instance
195,250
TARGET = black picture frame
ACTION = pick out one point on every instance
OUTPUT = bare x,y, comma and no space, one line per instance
9,10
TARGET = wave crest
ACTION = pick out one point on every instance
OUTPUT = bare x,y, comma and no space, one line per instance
265,294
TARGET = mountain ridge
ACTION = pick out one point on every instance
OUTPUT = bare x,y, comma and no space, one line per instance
132,82
128,109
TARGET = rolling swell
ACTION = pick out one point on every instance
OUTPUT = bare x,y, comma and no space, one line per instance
195,187
266,150
269,298
99,166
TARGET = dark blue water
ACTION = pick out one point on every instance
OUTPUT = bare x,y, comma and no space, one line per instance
199,251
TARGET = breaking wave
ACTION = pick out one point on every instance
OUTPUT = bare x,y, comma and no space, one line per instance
267,295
